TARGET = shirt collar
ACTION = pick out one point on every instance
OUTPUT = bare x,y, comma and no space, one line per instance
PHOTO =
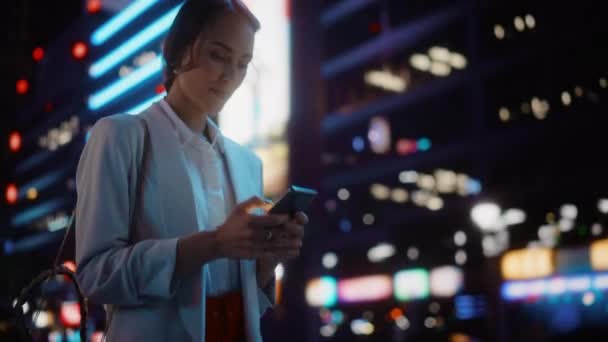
187,135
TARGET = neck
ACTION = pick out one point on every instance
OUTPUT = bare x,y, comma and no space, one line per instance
187,110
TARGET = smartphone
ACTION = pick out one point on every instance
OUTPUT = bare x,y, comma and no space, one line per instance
296,199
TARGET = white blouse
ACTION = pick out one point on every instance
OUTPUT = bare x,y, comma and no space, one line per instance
213,193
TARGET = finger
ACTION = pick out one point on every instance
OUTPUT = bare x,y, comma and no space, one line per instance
301,218
294,230
252,203
268,220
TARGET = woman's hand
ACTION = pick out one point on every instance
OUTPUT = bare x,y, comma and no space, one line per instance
246,236
288,244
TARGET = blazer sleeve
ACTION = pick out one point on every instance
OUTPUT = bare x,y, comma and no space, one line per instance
111,270
267,295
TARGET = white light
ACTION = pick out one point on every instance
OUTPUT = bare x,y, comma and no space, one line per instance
328,330
421,197
603,82
569,211
460,238
329,260
430,322
596,229
420,62
499,31
386,81
458,61
434,203
588,298
440,69
439,54
490,246
460,257
540,108
361,327
343,194
519,23
380,192
407,177
566,98
512,217
566,225
426,182
486,216
279,271
445,281
368,219
25,306
578,91
548,235
504,114
399,195
434,307
445,181
413,253
402,322
381,252
379,135
602,206
43,319
530,21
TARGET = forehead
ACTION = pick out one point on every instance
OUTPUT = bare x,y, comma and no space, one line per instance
234,30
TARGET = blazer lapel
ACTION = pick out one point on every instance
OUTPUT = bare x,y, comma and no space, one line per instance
244,187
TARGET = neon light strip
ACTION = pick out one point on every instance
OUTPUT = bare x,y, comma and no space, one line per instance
119,21
147,103
128,48
516,290
30,215
42,182
365,289
119,87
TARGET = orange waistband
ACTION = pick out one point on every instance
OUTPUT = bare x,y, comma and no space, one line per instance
225,320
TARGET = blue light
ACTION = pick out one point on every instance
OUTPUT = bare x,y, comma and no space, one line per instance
119,21
147,103
423,144
358,144
30,215
114,90
151,32
473,186
345,225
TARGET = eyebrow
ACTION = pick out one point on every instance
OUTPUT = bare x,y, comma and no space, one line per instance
228,48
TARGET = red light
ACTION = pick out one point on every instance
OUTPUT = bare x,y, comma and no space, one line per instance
70,265
406,146
396,313
70,314
38,54
374,27
80,50
160,89
23,86
12,194
93,6
14,141
48,107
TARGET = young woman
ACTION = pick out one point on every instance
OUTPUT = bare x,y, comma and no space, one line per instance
182,257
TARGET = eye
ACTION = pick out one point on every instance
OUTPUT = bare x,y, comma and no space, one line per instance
218,57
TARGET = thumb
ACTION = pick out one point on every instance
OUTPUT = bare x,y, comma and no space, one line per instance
254,202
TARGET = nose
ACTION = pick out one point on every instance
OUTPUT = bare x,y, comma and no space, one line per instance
228,73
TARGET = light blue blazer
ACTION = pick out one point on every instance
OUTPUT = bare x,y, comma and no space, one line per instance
134,278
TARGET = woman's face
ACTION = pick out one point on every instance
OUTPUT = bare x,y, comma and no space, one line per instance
217,62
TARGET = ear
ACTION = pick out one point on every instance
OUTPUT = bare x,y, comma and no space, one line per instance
192,54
